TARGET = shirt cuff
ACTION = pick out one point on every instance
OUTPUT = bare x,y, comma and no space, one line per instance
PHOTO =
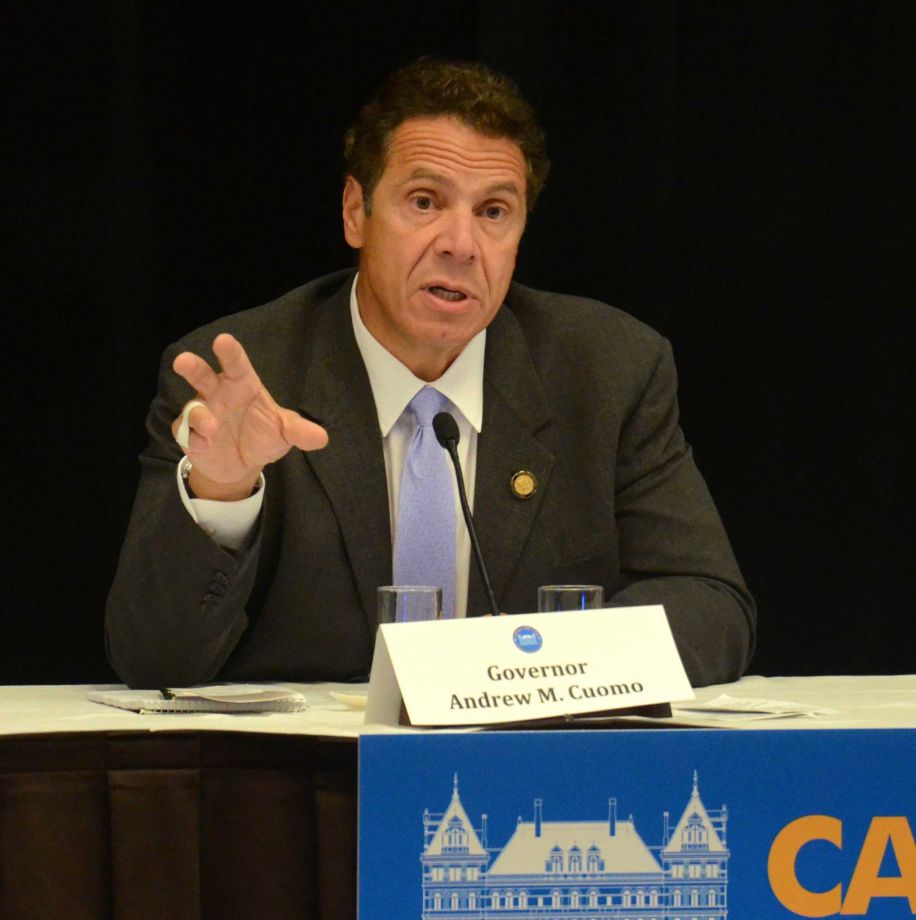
230,524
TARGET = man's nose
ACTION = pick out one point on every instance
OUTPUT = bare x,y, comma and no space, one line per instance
457,236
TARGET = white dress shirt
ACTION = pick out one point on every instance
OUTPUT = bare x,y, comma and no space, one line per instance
393,387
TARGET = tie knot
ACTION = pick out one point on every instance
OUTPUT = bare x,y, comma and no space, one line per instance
426,405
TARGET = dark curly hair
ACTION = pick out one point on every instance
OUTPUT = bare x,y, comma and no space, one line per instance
484,100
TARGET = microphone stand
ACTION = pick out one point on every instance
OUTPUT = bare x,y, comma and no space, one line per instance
447,435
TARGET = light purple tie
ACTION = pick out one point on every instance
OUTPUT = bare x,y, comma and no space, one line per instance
424,552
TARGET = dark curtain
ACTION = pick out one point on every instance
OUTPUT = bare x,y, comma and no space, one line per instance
738,175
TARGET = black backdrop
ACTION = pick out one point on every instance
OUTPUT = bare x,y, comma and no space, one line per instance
739,175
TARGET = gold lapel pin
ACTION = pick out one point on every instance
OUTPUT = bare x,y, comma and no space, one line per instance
523,484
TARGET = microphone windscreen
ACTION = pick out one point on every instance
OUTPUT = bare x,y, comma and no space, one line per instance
446,428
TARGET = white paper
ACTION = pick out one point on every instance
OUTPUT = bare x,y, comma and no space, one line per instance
753,707
233,693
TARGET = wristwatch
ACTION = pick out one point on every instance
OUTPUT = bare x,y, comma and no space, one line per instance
184,468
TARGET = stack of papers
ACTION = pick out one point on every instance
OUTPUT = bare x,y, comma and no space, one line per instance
209,698
736,709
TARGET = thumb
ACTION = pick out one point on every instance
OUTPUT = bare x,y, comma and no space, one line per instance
301,432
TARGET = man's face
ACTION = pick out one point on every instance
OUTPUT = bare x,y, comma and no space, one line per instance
438,250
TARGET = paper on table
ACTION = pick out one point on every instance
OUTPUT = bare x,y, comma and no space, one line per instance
234,693
212,698
350,700
752,707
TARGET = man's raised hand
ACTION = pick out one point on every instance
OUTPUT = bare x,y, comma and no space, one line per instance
239,429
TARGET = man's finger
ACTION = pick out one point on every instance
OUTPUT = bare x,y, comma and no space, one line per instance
301,432
197,372
195,417
232,357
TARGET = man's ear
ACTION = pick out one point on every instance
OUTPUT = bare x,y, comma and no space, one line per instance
354,212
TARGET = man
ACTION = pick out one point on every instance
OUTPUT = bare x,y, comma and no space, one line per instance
256,546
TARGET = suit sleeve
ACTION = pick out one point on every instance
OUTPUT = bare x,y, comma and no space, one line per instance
176,609
673,546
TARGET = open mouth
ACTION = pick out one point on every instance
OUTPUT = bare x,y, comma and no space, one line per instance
446,294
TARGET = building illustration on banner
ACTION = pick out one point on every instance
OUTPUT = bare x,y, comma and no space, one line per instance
576,869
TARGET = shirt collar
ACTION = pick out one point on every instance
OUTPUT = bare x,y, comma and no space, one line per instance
394,385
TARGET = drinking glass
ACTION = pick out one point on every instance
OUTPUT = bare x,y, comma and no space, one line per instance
554,598
409,603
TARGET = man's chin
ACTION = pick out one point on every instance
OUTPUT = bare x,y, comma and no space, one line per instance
449,333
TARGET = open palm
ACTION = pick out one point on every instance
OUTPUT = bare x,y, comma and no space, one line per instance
240,429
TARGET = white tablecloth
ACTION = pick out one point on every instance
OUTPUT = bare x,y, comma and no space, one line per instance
839,702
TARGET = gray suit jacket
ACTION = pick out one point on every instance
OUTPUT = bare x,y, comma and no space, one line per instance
579,393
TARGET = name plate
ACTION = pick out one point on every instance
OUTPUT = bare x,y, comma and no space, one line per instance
486,670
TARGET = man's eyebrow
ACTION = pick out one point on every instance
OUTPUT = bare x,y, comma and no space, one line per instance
499,188
422,173
504,188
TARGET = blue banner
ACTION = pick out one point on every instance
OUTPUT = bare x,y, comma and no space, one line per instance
648,824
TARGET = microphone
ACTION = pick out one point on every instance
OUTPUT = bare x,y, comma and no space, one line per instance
448,435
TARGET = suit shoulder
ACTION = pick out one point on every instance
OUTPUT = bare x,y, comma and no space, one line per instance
286,316
566,321
591,359
277,337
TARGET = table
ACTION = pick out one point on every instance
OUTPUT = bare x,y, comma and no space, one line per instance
107,813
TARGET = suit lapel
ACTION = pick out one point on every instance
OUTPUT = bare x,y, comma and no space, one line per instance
336,392
515,411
